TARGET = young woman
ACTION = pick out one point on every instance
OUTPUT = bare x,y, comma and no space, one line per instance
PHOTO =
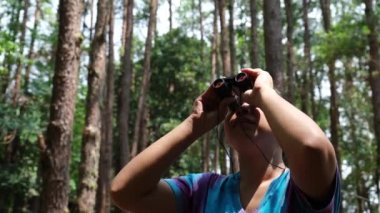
264,126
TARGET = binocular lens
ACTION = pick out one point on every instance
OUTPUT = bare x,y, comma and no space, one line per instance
218,83
240,77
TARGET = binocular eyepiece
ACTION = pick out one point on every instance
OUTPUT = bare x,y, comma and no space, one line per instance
228,86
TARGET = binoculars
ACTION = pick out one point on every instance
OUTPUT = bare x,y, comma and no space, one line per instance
232,87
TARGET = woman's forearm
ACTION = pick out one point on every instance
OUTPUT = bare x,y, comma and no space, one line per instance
309,153
142,174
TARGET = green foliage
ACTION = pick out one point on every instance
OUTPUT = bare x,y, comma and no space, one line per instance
179,75
347,38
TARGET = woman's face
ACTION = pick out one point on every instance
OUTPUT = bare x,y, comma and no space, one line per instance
246,126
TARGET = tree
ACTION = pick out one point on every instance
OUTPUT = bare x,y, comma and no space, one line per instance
308,78
254,35
56,156
290,52
272,40
138,130
374,80
19,67
170,15
31,53
125,87
224,43
88,170
215,68
103,203
201,28
334,113
232,36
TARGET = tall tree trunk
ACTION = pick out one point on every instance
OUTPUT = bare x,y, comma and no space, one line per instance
206,152
146,78
124,92
215,70
144,138
290,53
214,43
201,29
227,65
272,37
88,170
125,23
232,36
334,113
254,35
224,44
223,161
234,154
105,163
17,86
91,5
31,53
56,156
309,75
374,78
170,15
13,27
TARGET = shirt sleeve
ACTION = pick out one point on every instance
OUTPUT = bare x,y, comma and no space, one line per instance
190,191
299,202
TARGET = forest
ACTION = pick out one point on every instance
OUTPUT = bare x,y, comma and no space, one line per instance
86,85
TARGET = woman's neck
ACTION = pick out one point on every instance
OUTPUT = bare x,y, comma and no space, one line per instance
255,168
256,174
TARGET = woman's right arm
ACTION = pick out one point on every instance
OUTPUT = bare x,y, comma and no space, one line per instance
137,187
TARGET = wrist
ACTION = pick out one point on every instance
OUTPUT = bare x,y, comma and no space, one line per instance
194,122
265,94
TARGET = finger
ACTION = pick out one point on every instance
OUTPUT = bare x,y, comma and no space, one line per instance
253,73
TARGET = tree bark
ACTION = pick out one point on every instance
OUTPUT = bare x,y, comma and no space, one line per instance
334,113
206,152
124,92
56,157
13,27
125,23
17,86
146,78
290,53
374,78
201,29
272,38
308,74
254,35
31,53
103,203
224,44
88,169
170,15
215,71
214,43
232,37
233,69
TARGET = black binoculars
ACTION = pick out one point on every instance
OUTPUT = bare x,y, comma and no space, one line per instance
228,86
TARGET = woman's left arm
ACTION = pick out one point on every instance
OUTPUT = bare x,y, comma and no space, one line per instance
310,154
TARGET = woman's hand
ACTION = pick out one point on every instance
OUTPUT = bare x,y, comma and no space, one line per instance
209,110
261,80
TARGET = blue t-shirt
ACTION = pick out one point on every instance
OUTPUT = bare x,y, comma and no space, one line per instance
209,192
